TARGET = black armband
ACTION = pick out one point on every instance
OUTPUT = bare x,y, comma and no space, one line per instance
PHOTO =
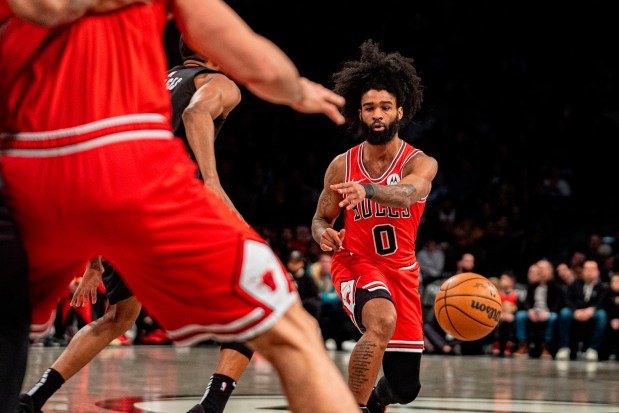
369,190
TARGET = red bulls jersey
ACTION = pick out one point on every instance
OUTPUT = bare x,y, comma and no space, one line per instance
86,71
380,233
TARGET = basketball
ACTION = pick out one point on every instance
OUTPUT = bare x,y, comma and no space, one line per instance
467,306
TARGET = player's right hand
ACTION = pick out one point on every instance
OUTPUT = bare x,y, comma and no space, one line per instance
319,99
87,288
331,240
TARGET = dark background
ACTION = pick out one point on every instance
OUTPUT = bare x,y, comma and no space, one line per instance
514,93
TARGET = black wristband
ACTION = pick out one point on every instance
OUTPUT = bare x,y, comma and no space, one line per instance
369,190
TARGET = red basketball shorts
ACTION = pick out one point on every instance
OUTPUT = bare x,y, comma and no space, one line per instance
352,273
196,267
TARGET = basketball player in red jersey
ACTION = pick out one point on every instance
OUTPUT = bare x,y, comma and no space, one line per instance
382,185
92,168
202,98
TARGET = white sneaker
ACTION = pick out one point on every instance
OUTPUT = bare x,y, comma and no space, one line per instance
591,355
563,354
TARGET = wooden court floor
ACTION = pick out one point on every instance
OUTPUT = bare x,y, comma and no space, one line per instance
165,379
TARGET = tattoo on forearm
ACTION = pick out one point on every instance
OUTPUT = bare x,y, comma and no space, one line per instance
394,195
360,367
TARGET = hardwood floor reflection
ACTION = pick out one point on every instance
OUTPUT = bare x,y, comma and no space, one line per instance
164,379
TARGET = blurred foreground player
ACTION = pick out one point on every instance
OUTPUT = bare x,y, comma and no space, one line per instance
82,168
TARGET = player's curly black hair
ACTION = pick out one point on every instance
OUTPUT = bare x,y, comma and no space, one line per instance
376,69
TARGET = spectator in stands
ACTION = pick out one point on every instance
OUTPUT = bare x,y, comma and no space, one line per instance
610,345
565,275
536,320
437,340
307,288
576,262
583,312
504,332
608,261
431,260
466,263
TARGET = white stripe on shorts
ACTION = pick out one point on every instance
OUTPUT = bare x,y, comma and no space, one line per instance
90,144
87,128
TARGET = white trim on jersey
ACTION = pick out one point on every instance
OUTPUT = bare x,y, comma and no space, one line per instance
416,346
41,330
404,350
197,333
88,127
409,267
371,284
252,316
259,262
375,285
395,160
90,144
415,343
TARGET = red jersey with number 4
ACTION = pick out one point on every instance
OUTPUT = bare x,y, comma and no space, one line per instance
383,234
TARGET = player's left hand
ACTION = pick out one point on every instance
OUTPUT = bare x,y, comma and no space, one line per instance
352,192
331,240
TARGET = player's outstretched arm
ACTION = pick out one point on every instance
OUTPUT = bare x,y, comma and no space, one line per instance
215,30
414,186
216,96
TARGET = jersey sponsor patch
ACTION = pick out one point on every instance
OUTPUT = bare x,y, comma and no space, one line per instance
393,179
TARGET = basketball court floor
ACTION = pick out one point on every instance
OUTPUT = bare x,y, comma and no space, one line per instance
165,379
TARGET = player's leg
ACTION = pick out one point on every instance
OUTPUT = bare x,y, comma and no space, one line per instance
82,348
378,318
227,286
14,311
233,360
401,361
400,384
294,346
94,337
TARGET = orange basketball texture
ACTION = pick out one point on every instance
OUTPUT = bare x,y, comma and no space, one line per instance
468,306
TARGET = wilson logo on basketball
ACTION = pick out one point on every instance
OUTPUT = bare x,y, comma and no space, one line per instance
493,313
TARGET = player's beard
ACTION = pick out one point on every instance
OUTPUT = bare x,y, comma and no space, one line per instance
380,138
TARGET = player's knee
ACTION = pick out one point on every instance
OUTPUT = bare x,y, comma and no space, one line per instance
382,326
297,330
405,391
122,316
238,347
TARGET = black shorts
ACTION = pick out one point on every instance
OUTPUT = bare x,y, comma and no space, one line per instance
115,288
362,296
